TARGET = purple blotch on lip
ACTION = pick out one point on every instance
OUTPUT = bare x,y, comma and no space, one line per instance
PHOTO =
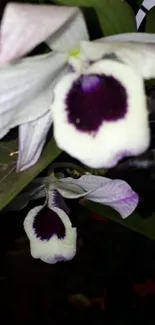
94,99
89,82
47,223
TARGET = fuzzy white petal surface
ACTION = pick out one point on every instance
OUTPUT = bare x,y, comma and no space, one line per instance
130,134
70,36
138,55
51,250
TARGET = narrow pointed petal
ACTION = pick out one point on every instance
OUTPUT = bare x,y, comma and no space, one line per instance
129,48
32,137
22,200
91,111
26,89
52,238
37,23
115,193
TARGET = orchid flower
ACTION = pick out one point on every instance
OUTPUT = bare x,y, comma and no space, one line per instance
99,112
26,84
48,227
107,73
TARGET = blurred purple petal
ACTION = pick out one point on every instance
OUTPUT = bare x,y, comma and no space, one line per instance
32,137
118,195
115,193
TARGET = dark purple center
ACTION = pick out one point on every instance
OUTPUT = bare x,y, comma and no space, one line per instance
47,223
94,99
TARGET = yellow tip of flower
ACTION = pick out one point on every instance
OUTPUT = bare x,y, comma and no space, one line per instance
74,52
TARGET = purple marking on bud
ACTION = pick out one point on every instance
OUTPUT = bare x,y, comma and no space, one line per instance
122,155
55,259
70,68
59,202
47,223
94,99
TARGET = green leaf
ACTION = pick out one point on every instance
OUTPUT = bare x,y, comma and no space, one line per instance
133,222
77,3
12,183
150,21
114,16
139,2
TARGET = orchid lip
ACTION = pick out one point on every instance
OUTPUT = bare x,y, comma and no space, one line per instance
89,102
49,229
52,237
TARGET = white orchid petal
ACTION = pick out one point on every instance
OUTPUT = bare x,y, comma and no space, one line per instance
76,64
86,182
115,193
37,23
136,50
112,139
26,89
74,31
26,85
132,37
69,190
32,137
52,237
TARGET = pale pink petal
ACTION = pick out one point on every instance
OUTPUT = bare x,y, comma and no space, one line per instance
26,25
115,193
